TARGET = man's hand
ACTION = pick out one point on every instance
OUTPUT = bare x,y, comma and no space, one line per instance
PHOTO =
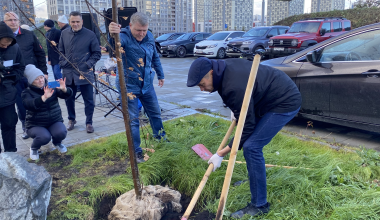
114,28
161,82
48,93
216,160
62,85
46,77
49,62
103,48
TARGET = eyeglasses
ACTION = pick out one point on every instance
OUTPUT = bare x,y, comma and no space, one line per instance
12,20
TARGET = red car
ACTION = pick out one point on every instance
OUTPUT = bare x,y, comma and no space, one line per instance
305,33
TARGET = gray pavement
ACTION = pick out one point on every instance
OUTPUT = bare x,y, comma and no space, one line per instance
177,100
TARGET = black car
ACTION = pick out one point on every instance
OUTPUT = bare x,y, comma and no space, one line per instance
339,78
183,45
168,36
255,39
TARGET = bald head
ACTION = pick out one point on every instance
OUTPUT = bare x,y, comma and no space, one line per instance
12,20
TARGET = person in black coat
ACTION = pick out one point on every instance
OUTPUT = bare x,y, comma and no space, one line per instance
274,102
53,35
9,75
32,52
43,115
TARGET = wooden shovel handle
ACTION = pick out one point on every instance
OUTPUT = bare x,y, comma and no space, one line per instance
272,165
202,184
238,133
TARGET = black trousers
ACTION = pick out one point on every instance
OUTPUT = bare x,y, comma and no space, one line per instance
21,111
8,121
42,135
88,97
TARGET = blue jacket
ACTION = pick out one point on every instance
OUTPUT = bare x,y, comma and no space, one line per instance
138,60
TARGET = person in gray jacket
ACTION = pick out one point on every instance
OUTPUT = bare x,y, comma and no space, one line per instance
81,47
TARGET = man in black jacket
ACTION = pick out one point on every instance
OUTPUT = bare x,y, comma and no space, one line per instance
11,70
32,52
53,35
80,46
275,101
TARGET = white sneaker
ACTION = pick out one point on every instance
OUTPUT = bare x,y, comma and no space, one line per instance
61,148
34,154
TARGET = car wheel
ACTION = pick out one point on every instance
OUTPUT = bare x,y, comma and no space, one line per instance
258,48
221,53
181,52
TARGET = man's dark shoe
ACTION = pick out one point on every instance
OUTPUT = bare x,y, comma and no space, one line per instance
89,128
25,135
139,158
70,125
251,210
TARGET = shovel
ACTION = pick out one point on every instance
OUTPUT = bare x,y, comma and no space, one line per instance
205,154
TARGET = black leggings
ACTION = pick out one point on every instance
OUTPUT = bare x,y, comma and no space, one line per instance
42,135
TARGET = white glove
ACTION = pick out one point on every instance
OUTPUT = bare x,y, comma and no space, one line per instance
216,160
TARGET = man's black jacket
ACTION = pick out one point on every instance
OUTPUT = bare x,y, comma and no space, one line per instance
82,49
65,27
53,35
273,91
8,89
39,113
31,49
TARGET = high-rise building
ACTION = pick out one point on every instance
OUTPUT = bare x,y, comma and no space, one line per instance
238,15
167,15
204,15
327,5
26,7
278,10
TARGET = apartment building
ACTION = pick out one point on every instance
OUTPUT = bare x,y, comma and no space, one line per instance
238,15
326,5
278,10
203,11
26,7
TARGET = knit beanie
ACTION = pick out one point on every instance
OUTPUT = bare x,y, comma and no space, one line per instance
63,19
31,73
49,23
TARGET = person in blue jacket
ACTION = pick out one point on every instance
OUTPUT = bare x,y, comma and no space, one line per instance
138,60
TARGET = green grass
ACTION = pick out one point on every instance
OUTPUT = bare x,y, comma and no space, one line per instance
340,185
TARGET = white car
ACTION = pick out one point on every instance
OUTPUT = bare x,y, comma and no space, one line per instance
216,44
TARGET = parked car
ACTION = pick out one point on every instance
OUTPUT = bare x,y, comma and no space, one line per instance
255,39
306,33
184,45
339,78
168,36
216,44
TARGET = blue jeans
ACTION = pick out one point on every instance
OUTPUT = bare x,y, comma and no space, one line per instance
266,128
56,71
152,109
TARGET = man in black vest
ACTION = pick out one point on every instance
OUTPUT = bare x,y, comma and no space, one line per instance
275,101
11,70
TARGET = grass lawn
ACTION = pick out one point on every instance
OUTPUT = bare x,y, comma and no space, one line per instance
341,184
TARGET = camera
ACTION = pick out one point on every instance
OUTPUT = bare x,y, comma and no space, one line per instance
6,72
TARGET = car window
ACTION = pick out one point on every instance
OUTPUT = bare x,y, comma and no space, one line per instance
256,32
282,30
164,37
365,46
185,36
218,36
235,35
176,36
206,36
308,27
273,32
337,26
327,27
347,26
199,37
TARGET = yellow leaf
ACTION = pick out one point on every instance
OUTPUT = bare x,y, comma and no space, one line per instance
81,77
119,44
141,79
121,8
146,157
131,96
53,43
130,68
125,18
27,6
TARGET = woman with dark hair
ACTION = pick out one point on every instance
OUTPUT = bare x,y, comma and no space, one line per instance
43,115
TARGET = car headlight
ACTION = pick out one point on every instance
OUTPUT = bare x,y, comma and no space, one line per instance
248,42
270,43
171,47
212,46
294,42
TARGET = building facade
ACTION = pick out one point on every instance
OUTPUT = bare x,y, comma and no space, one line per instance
238,15
278,10
26,7
203,15
327,5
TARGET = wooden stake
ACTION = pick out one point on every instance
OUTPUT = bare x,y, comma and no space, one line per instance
202,184
238,133
272,165
123,91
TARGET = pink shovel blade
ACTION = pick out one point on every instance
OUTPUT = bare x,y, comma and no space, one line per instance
202,151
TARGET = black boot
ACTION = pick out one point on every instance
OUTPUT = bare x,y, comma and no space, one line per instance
139,157
251,210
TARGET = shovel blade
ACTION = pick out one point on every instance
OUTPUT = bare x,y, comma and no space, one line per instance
202,151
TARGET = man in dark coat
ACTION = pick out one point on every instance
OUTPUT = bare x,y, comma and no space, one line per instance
32,52
275,101
80,46
10,53
53,35
63,22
